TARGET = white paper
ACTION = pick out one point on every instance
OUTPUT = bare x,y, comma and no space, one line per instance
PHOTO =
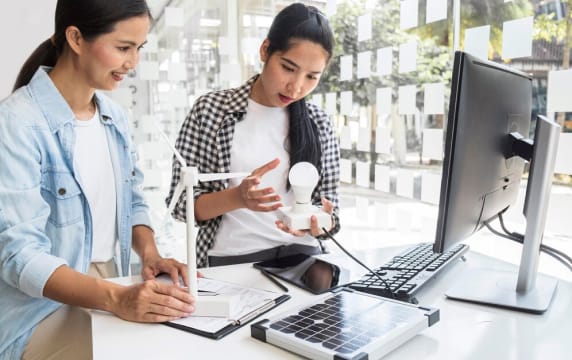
331,8
433,144
477,41
436,10
563,163
227,46
317,99
383,140
434,99
174,17
146,124
364,27
177,72
346,67
151,46
250,299
382,178
148,70
362,209
383,101
346,171
407,95
517,38
362,174
364,139
408,14
230,73
384,61
346,103
408,57
346,138
151,150
558,98
364,65
330,107
153,178
430,187
405,183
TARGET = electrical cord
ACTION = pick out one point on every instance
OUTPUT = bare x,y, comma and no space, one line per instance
543,248
331,237
520,238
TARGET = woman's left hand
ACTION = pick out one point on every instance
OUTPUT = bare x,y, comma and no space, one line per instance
171,267
315,230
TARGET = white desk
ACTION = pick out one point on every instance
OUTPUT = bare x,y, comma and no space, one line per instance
465,331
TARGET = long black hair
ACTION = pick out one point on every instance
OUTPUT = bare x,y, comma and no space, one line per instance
301,22
92,17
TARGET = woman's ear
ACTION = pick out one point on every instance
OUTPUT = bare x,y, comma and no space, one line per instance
264,50
74,39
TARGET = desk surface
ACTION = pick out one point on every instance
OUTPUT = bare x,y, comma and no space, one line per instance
465,331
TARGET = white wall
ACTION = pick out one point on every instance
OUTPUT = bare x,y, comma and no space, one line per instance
24,24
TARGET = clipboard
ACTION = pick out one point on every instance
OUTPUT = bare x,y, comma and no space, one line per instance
252,303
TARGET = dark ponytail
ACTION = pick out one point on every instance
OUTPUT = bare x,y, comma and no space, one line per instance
301,22
92,17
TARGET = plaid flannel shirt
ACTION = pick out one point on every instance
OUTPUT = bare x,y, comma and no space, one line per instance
205,141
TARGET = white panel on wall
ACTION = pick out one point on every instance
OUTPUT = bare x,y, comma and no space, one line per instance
362,209
346,171
384,64
382,178
331,7
382,215
477,41
436,10
432,144
430,187
364,139
123,96
434,99
152,44
346,138
564,156
408,13
408,57
383,140
148,70
517,38
405,180
177,72
346,103
346,67
407,96
558,98
362,173
364,27
364,65
330,106
318,100
383,100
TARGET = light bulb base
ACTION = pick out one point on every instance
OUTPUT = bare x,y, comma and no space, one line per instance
298,217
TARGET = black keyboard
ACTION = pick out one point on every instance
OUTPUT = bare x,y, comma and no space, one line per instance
407,272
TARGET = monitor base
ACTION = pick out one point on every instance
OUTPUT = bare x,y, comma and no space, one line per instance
498,288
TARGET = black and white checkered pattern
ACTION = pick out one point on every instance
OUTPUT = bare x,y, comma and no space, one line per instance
205,141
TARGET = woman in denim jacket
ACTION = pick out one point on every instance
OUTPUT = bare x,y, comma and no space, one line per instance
70,190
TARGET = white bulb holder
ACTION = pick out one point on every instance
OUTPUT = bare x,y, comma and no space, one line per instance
303,178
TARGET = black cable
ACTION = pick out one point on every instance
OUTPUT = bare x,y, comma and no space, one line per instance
543,248
521,240
359,262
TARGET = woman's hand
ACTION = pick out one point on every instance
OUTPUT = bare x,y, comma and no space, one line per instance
315,230
152,301
256,199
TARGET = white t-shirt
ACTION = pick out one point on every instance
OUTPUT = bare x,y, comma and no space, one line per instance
259,138
94,172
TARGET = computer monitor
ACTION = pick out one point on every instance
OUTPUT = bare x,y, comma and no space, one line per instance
486,147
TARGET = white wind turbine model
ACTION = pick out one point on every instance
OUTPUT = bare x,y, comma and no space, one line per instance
206,305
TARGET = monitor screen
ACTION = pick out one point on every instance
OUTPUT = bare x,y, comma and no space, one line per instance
486,145
480,176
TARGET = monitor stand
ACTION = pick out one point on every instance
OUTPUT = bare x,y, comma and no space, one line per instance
527,292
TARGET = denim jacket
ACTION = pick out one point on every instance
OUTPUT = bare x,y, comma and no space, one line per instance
45,220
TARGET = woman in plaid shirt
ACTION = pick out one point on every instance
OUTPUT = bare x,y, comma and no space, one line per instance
265,125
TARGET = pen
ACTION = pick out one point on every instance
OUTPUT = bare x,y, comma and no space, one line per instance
271,278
